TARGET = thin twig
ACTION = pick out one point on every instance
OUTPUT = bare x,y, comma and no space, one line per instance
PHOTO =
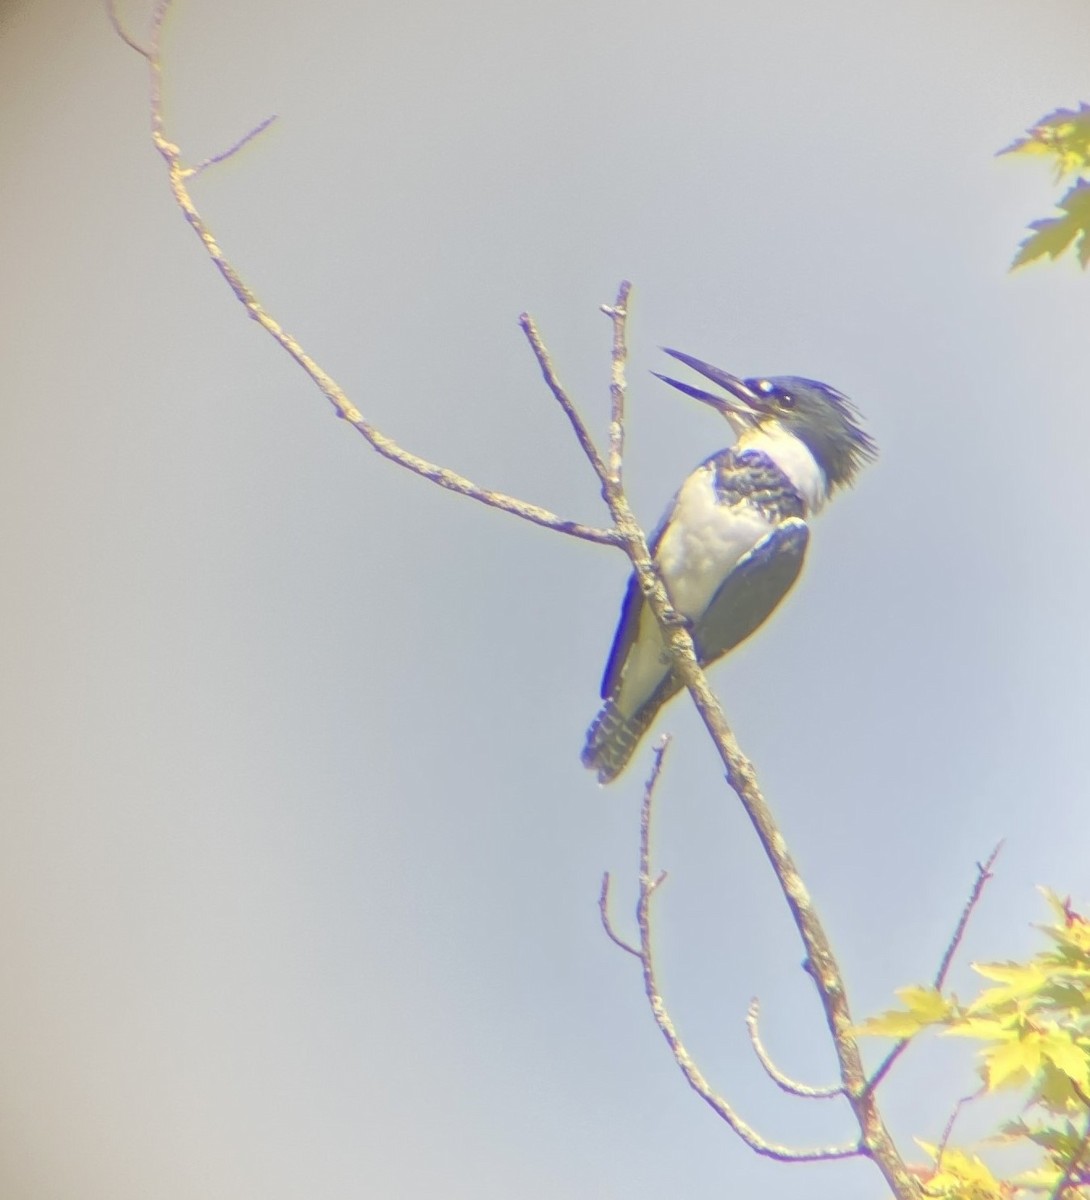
607,924
562,398
875,1140
983,874
233,150
178,175
618,314
692,1073
122,32
948,1128
778,1077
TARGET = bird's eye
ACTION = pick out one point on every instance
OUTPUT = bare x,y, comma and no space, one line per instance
786,400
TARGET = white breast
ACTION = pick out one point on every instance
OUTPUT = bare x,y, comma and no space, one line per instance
704,541
700,547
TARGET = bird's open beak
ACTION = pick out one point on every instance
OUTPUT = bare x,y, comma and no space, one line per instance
740,406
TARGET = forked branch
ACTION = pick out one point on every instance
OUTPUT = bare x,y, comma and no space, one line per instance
648,887
874,1140
180,175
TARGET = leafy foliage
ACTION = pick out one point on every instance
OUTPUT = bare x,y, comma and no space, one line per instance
1033,1023
1062,136
1053,235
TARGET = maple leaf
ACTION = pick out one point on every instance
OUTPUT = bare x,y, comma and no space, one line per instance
1053,235
924,1006
1063,135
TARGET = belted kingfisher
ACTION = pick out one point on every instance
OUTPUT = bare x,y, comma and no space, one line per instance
732,542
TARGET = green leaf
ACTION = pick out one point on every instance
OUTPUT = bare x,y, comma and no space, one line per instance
894,1023
1041,1179
1053,235
1012,1063
962,1175
1068,1056
925,1003
1019,979
1063,135
1053,1091
924,1006
985,1029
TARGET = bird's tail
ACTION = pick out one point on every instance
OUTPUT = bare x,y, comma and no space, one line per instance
613,737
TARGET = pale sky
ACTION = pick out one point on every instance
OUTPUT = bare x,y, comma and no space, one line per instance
298,863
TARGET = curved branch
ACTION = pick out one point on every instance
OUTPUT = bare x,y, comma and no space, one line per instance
607,923
122,32
778,1077
693,1075
178,175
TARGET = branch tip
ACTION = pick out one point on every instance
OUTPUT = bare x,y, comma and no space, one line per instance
778,1077
607,923
119,28
983,875
232,150
552,381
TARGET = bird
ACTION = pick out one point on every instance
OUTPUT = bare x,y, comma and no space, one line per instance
732,543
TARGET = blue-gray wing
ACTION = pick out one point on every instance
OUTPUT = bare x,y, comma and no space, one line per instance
631,610
753,590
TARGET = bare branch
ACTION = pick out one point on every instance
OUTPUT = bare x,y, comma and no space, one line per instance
179,174
607,924
875,1140
618,314
983,874
122,32
562,398
692,1073
232,150
778,1077
948,1129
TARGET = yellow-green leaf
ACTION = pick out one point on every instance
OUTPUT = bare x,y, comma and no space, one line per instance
1012,1063
1019,980
1061,1049
1053,1092
963,1175
1053,235
985,1029
926,1004
1041,1179
1063,135
894,1023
